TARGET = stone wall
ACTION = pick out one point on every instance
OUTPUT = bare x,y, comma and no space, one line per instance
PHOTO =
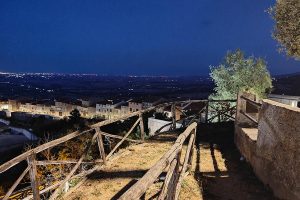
278,149
273,147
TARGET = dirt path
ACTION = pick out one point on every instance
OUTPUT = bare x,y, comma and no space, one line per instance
225,177
132,164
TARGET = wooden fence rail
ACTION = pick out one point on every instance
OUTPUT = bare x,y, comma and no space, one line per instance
253,103
32,163
31,156
220,110
175,174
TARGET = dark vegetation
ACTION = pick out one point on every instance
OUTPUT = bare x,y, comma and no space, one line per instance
287,84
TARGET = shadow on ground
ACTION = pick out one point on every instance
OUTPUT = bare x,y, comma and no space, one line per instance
238,181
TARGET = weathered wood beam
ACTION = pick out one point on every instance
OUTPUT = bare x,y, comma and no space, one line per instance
172,189
33,177
142,128
56,192
65,162
206,111
185,165
167,181
173,110
40,148
139,188
120,137
249,117
125,136
100,145
44,190
16,183
70,136
223,112
192,151
254,103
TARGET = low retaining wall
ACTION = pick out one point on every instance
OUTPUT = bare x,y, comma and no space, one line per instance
155,124
274,151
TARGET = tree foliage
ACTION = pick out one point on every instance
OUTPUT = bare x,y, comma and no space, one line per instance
286,14
238,73
75,116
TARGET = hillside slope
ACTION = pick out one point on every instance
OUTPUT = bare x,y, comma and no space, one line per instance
287,84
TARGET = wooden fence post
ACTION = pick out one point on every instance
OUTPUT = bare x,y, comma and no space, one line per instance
168,181
171,193
173,110
184,167
192,151
33,177
142,127
73,170
100,145
206,111
124,138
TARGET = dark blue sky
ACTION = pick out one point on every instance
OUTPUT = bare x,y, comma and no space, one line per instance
140,37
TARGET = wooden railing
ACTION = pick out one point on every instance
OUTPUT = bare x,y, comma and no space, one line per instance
214,111
32,162
95,135
220,111
252,103
171,161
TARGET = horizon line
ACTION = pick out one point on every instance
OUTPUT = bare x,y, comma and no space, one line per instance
129,75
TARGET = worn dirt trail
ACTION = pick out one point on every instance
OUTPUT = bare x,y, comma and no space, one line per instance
225,177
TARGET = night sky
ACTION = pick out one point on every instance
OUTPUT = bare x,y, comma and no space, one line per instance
134,37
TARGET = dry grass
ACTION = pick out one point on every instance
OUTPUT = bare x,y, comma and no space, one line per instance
218,175
132,164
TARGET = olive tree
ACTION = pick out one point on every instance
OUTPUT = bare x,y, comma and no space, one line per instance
286,14
237,73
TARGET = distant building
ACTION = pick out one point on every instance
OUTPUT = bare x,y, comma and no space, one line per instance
63,109
86,103
14,105
108,109
125,109
60,108
91,111
135,105
4,105
293,101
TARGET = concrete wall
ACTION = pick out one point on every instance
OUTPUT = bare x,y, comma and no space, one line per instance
286,99
273,148
155,124
290,102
